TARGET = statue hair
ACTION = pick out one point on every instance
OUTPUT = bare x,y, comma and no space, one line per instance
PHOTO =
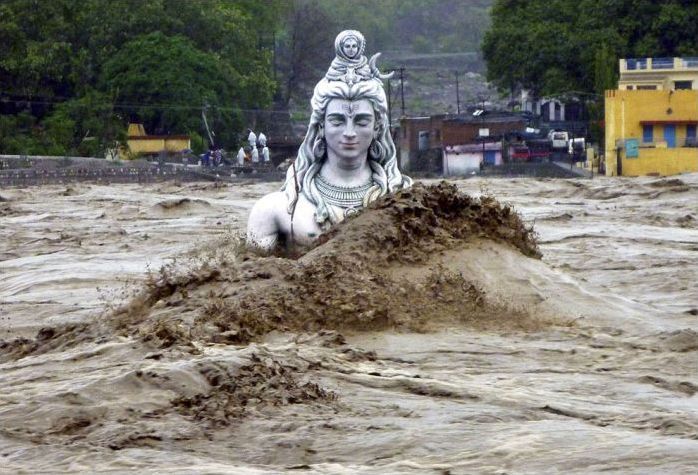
381,154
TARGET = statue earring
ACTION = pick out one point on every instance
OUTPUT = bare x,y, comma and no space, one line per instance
375,149
319,148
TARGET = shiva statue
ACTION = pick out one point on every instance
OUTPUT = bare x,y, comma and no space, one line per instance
346,161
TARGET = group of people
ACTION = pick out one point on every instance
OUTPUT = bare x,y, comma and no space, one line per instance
256,152
212,158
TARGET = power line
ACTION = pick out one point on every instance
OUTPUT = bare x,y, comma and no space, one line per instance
574,93
127,105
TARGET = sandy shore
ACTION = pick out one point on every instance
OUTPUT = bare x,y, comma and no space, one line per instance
588,365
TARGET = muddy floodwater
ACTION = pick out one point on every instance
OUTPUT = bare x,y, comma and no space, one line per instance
521,326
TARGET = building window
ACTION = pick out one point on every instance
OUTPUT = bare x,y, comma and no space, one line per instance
647,88
691,131
423,140
630,87
683,85
648,133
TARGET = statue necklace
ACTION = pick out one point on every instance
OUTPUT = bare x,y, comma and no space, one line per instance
350,198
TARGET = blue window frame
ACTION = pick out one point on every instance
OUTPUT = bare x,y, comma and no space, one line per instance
690,131
648,133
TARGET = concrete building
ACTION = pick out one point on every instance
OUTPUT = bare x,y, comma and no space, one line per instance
456,142
550,109
416,136
658,74
651,119
565,113
461,160
466,129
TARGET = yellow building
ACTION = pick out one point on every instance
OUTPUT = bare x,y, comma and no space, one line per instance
658,74
139,143
651,118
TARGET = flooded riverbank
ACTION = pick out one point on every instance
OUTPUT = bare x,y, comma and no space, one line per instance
580,361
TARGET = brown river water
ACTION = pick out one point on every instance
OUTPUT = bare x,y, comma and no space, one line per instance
526,326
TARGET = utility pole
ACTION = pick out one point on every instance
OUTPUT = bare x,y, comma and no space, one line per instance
457,94
402,90
208,131
390,106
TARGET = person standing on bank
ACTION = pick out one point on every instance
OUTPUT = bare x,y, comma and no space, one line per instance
346,161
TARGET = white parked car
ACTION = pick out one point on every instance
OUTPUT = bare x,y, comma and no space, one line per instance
559,139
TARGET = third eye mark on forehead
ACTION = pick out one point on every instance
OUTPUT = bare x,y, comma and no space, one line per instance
350,109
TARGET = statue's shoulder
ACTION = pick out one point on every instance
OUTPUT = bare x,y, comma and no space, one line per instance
273,204
268,219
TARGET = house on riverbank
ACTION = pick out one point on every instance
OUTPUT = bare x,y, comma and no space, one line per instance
140,144
456,144
651,118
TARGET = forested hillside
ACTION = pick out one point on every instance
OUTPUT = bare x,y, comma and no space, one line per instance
73,73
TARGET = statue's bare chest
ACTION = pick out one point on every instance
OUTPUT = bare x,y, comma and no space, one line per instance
305,230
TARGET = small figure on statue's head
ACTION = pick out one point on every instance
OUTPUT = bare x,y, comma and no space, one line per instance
349,58
346,161
350,44
350,65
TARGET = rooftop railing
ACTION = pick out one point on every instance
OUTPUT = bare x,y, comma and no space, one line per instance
634,64
662,63
644,64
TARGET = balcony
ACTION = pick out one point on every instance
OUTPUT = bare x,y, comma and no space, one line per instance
658,64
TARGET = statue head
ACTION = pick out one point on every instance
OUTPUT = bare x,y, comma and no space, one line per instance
313,151
349,45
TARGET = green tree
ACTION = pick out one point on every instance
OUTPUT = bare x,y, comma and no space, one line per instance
86,126
163,81
605,70
553,46
55,54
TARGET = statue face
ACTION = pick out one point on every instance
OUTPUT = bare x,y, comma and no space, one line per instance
349,129
350,47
